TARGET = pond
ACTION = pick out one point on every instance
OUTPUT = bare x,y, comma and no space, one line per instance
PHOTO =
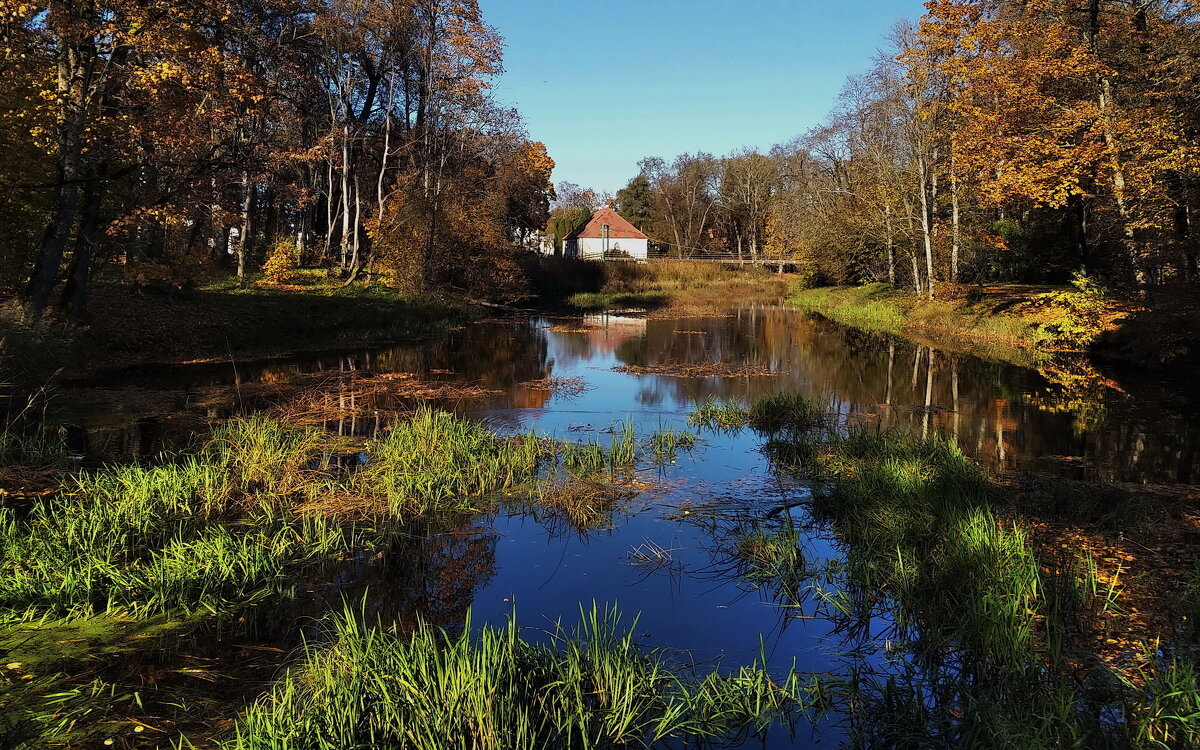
669,555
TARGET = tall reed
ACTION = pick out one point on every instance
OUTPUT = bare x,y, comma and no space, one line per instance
439,462
590,686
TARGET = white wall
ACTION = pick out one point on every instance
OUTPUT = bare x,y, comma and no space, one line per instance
593,247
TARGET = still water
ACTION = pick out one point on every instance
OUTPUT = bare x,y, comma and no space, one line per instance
668,556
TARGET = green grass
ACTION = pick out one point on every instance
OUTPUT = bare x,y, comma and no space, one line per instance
872,306
665,444
612,300
986,329
772,413
150,539
718,414
241,517
983,623
623,450
590,686
788,411
437,462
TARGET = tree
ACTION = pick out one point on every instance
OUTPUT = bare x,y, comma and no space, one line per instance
633,202
684,202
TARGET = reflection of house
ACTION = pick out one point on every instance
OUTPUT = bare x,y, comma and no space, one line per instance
606,234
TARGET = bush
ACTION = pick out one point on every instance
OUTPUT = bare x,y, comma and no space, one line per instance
281,263
1082,315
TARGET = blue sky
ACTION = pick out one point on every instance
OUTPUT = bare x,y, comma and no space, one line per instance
607,82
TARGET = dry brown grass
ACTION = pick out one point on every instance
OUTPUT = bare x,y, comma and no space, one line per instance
697,287
699,370
583,504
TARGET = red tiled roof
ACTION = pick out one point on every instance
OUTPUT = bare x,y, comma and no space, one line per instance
618,227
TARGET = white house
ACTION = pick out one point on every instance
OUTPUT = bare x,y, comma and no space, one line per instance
606,234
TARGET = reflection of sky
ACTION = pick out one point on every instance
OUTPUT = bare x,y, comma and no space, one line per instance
687,607
1004,415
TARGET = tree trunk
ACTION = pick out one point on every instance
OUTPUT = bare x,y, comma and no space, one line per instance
926,223
73,90
244,230
891,245
1077,216
955,234
346,238
75,293
1128,236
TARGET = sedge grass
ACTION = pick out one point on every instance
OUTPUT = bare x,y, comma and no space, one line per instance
788,411
665,444
590,686
983,619
437,462
241,517
719,414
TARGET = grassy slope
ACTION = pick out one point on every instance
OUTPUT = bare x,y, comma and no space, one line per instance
1010,322
679,286
220,320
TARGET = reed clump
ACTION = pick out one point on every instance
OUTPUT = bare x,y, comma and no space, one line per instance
437,462
788,411
150,539
719,414
983,619
590,686
584,504
915,516
242,516
773,413
665,444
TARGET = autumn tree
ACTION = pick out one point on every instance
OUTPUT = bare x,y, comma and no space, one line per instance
685,201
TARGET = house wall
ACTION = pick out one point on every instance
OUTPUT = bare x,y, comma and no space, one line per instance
593,247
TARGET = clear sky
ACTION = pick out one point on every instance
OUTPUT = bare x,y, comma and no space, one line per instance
607,82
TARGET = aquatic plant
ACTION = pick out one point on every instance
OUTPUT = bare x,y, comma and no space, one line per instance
590,686
623,450
769,552
439,462
666,443
144,539
1164,703
788,411
719,414
983,622
261,456
583,459
583,504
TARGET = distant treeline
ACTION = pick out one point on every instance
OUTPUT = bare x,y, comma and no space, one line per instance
996,140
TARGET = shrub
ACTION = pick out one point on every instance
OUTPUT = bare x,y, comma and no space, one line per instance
281,262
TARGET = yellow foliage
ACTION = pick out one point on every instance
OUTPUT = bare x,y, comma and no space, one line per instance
281,263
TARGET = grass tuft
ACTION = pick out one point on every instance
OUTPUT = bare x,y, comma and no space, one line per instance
590,686
437,462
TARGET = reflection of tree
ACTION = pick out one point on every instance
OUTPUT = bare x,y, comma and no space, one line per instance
431,573
1003,414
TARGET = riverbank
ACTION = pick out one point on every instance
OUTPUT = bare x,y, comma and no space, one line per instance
299,564
132,325
220,321
1025,325
664,286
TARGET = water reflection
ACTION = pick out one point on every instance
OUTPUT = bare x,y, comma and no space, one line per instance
716,556
1066,418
